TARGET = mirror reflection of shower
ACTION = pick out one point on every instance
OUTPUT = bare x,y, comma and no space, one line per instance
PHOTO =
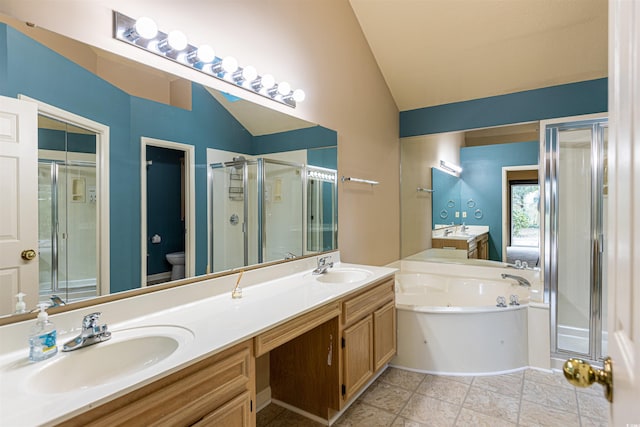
67,211
261,210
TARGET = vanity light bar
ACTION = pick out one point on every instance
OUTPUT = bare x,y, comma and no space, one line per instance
144,34
321,176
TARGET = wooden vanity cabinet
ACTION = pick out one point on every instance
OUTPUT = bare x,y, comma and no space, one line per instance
368,336
219,390
321,370
477,248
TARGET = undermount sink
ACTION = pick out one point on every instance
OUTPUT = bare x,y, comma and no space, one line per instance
343,275
128,352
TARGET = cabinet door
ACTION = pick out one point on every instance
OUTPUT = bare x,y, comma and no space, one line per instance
384,334
357,356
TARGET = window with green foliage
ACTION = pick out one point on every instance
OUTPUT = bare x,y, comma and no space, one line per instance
525,213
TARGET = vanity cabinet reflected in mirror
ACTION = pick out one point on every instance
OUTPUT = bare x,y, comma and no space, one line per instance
489,210
132,102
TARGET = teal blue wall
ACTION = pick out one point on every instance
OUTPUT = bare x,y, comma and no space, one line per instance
447,193
481,180
555,101
28,68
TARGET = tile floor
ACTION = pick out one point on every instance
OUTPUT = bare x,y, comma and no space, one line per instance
403,398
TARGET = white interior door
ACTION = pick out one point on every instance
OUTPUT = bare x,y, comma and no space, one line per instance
624,195
18,201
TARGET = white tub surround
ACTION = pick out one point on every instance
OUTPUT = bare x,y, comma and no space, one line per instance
448,322
271,296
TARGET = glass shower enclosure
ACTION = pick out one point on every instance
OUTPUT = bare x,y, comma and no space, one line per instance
575,171
266,210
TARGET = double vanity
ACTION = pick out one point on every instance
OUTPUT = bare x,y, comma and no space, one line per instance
187,355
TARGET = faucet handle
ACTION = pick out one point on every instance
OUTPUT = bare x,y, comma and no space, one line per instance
90,320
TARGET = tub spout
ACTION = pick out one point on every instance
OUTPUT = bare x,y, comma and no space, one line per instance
521,280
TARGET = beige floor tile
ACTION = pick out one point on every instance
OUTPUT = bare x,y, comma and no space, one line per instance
458,378
534,415
288,419
444,389
385,396
491,403
550,378
593,406
403,422
430,411
469,418
552,396
590,422
362,415
268,414
399,377
510,384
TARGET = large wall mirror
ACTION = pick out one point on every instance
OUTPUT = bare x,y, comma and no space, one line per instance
170,143
497,188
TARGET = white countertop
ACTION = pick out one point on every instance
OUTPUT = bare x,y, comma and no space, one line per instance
217,323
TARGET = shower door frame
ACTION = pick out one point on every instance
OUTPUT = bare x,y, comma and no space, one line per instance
80,292
245,227
102,132
262,236
549,130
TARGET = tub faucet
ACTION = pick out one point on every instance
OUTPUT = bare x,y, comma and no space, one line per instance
521,280
91,333
323,265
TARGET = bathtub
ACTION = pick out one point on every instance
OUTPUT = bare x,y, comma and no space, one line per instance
450,325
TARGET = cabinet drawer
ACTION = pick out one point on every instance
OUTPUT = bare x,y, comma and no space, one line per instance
181,398
279,335
365,303
235,413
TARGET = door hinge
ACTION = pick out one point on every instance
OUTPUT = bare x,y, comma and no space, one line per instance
251,405
344,389
343,343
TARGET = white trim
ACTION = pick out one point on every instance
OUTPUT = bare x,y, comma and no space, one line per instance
102,176
505,206
189,203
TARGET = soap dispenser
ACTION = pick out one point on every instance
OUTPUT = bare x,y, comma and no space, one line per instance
21,307
42,339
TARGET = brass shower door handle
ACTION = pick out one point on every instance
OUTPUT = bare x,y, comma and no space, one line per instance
28,254
581,374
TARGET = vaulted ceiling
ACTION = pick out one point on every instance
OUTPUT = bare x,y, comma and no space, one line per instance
434,52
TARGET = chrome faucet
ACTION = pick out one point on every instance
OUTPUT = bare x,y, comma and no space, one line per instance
92,333
464,228
521,280
448,231
323,265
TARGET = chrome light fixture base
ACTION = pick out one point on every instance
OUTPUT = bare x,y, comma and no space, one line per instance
124,30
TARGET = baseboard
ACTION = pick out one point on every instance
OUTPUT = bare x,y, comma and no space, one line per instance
263,398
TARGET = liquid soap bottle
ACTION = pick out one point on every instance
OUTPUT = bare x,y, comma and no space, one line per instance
42,338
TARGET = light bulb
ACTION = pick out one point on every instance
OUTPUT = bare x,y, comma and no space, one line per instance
284,88
249,73
268,81
299,95
146,28
205,53
229,64
177,40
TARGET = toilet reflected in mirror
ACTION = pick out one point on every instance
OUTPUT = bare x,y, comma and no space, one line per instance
176,259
